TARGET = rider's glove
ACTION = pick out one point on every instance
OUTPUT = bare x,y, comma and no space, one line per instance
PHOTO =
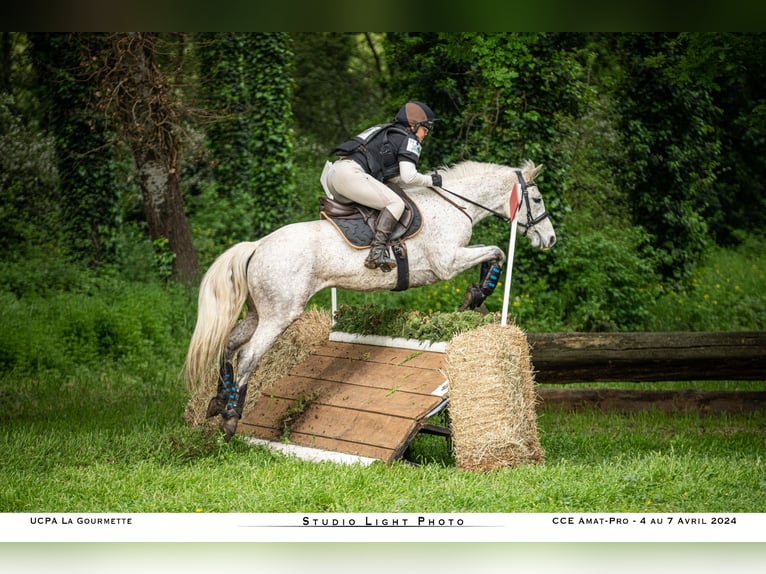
436,178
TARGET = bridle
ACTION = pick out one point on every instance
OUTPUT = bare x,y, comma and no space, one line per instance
531,221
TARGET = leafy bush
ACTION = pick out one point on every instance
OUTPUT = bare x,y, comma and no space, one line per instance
604,280
373,320
98,319
724,294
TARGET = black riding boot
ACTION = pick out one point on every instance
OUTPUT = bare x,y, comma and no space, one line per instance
378,257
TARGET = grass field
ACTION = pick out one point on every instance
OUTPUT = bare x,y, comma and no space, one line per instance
100,443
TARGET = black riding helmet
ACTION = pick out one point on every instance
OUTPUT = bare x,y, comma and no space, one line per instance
415,114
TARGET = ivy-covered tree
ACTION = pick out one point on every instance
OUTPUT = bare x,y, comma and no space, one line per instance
83,141
246,86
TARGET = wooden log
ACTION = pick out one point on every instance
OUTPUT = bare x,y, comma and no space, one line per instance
703,402
561,358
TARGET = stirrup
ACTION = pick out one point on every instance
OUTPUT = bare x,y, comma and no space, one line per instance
381,262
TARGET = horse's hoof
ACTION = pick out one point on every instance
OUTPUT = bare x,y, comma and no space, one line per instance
472,299
214,407
229,427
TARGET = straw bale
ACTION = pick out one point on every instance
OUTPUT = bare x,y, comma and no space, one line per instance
492,399
300,339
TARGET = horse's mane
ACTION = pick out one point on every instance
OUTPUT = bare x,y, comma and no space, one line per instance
466,169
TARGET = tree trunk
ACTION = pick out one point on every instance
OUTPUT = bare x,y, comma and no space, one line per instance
163,206
148,119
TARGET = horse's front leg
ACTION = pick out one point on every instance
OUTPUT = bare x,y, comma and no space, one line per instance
491,259
452,263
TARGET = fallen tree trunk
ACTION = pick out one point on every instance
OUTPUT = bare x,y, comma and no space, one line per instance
561,358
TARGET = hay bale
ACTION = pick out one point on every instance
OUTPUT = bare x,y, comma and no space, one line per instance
492,399
300,339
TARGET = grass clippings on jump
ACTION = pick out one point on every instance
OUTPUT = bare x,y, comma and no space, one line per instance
492,399
300,339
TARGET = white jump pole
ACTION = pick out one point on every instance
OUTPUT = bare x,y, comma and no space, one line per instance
333,303
509,262
333,291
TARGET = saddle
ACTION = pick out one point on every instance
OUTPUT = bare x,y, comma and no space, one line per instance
356,222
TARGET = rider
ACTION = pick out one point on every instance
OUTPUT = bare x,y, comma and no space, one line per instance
379,154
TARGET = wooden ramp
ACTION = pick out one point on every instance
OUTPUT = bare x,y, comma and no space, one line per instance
350,402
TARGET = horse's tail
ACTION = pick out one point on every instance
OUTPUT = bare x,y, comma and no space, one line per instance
222,294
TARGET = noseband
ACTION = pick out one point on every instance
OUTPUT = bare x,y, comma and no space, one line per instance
531,221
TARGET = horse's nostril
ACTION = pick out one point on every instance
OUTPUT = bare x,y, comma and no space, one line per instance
551,241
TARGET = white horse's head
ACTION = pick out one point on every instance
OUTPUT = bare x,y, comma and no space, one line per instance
533,219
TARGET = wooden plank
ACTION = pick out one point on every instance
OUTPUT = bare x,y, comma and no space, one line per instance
371,374
325,426
386,355
345,395
355,425
707,402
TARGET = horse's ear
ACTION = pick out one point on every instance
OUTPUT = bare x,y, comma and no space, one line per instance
531,171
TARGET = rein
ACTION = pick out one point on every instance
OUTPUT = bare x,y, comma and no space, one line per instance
460,208
472,202
531,222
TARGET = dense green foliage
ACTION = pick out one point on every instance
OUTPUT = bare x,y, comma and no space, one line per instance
652,146
671,151
337,86
28,181
662,103
243,185
88,183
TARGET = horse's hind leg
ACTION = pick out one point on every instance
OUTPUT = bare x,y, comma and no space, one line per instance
265,335
242,332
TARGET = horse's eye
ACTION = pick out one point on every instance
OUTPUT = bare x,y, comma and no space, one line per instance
537,199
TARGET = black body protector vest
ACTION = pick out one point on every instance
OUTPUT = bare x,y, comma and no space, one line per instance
373,150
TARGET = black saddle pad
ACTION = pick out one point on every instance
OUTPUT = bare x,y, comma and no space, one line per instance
356,223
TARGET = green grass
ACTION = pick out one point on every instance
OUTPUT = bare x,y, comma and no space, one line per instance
86,445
